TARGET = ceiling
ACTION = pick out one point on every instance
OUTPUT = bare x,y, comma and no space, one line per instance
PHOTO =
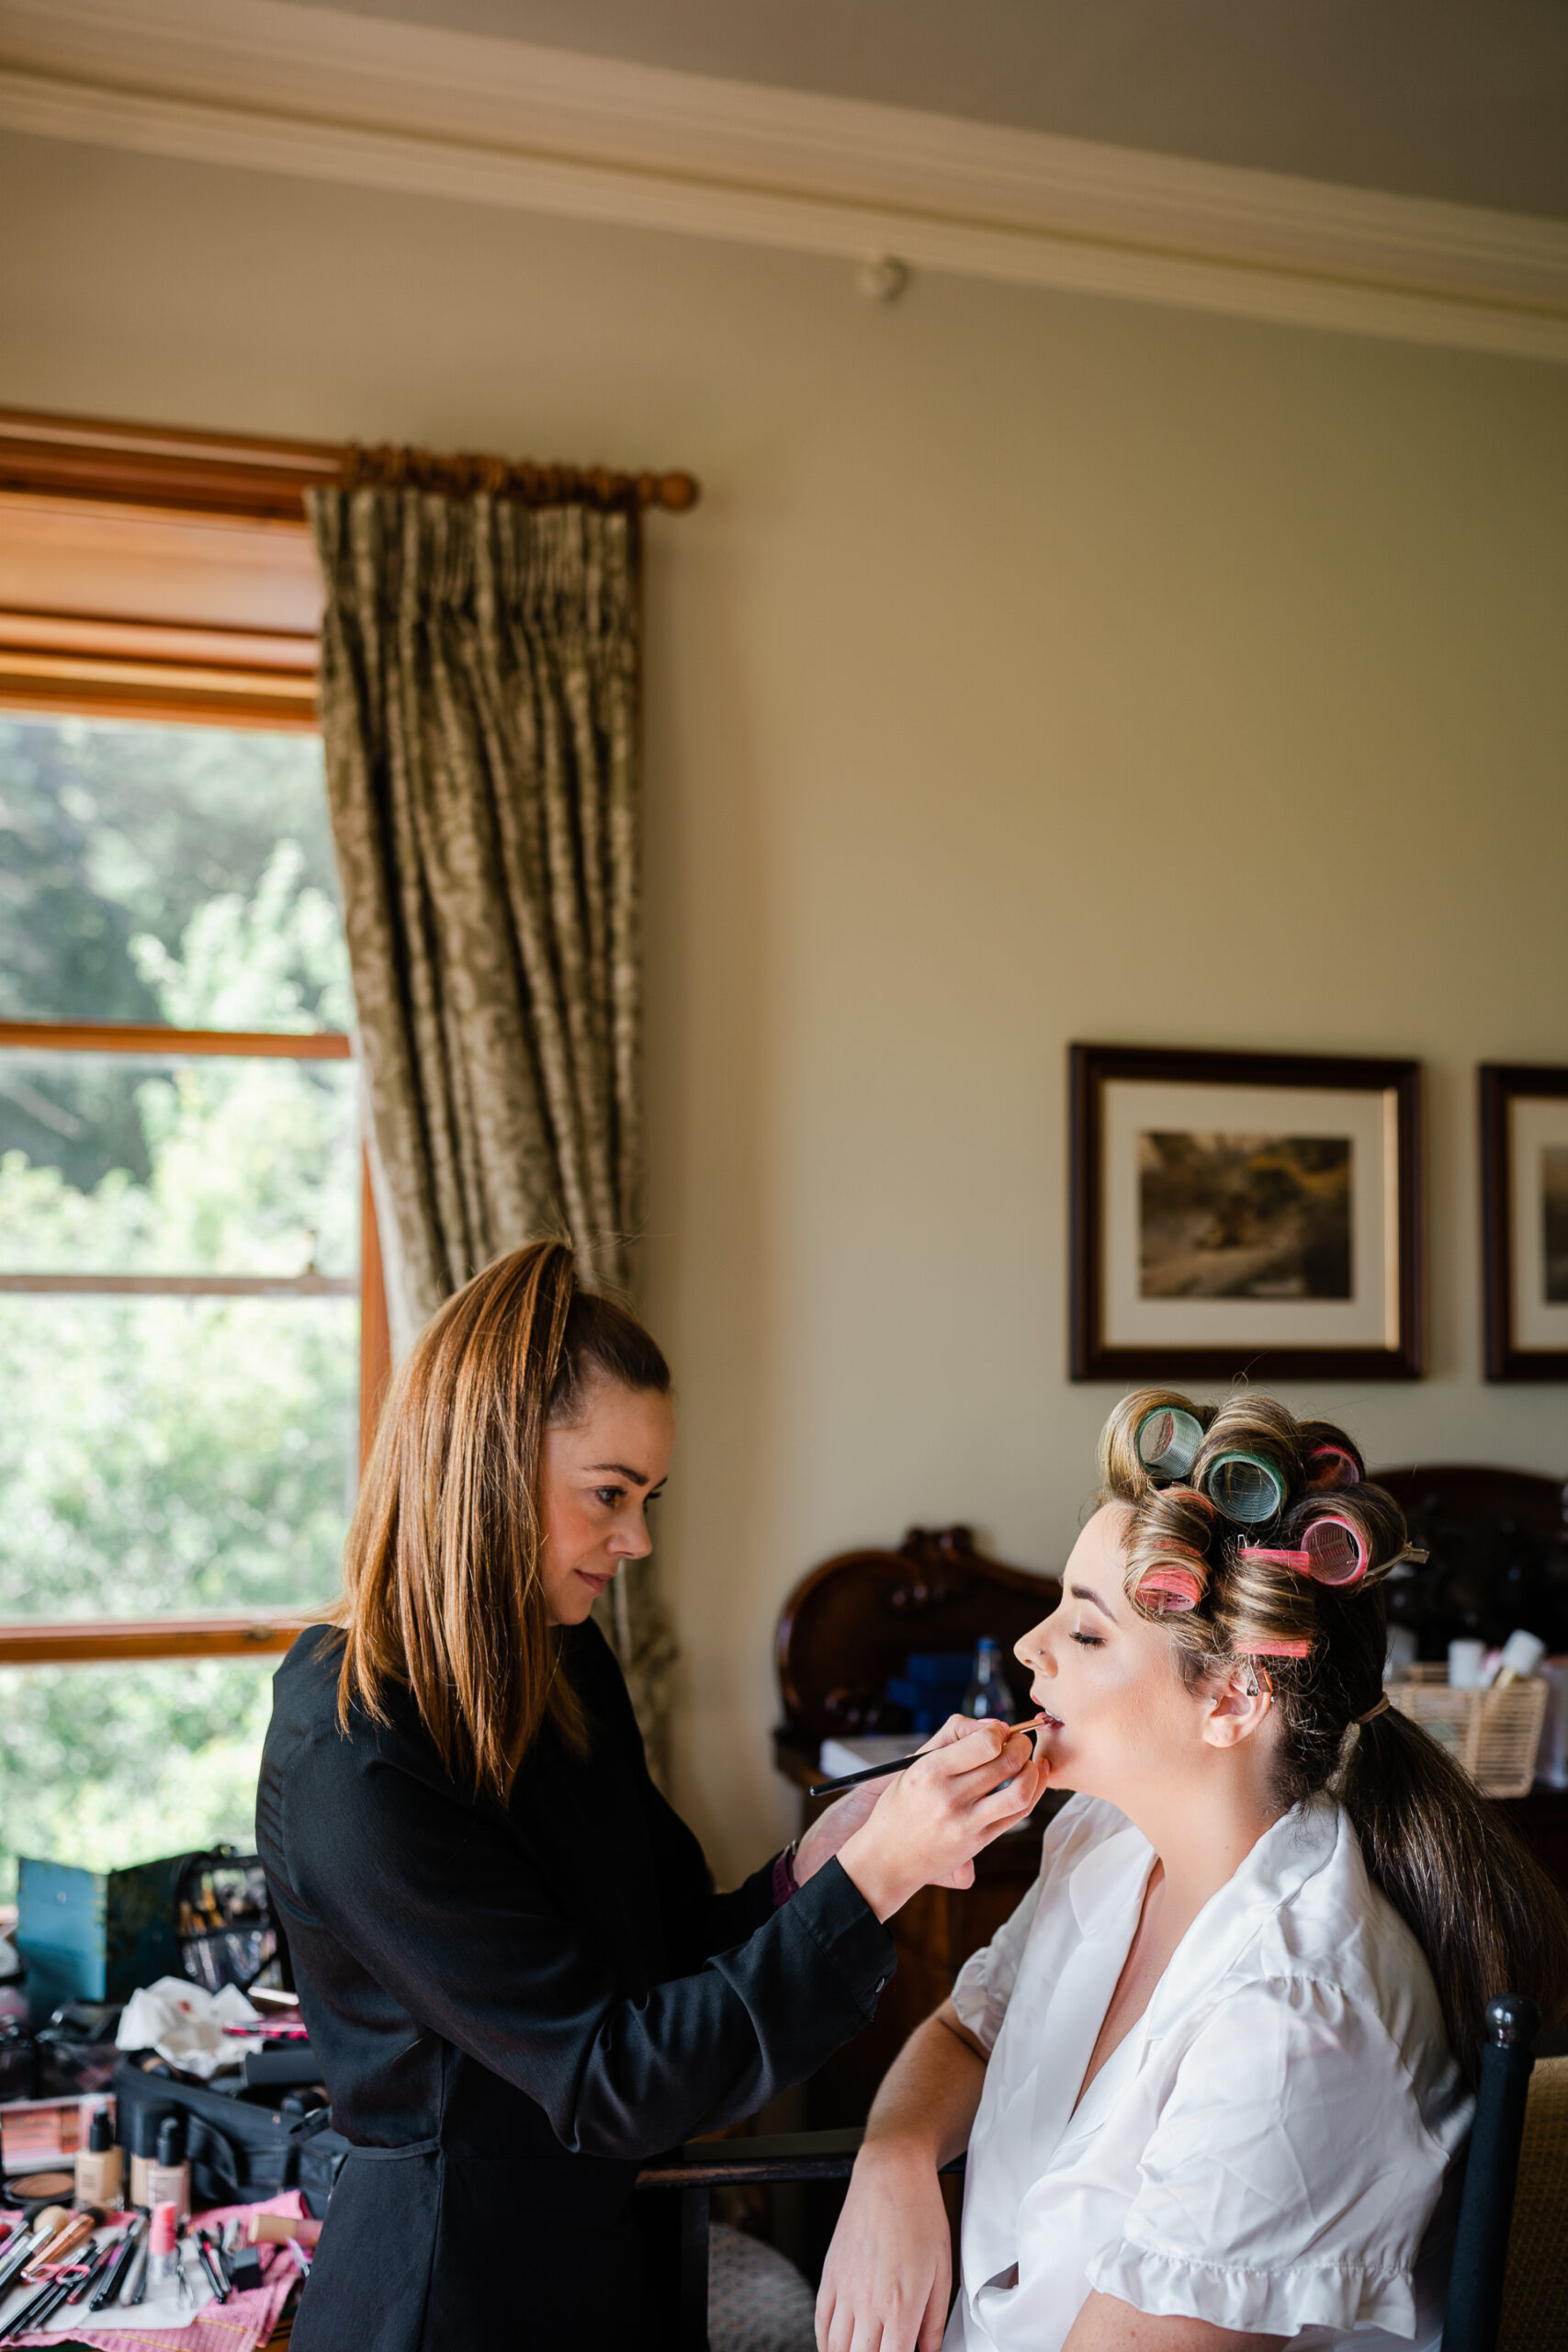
1465,99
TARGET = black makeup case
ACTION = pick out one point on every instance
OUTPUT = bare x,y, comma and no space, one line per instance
239,2150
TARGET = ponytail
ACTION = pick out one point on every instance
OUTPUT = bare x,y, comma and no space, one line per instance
1482,1908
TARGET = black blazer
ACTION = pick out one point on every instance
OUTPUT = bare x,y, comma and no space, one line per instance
515,2005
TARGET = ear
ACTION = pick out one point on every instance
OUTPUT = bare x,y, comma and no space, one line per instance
1237,1709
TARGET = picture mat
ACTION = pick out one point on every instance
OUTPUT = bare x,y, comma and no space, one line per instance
1369,1117
1535,1123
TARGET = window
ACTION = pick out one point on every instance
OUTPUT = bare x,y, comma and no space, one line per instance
191,1321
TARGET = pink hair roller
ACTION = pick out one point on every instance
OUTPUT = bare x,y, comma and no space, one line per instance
1273,1649
1179,1588
1336,1550
1333,1552
1330,1465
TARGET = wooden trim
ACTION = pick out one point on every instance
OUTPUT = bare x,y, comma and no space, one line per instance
181,1285
156,693
1090,1359
1501,1084
130,669
182,473
264,480
102,1641
151,1037
115,643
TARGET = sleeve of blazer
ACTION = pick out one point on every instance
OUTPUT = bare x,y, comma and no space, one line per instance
443,1909
699,1921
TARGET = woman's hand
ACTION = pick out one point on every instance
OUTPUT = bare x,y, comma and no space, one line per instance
890,2265
967,1785
830,1829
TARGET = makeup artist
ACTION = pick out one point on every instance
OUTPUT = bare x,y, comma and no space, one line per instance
508,1948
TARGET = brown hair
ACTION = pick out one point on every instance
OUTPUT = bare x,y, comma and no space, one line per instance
441,1570
1484,1913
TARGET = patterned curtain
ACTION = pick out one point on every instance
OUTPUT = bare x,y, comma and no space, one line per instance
478,702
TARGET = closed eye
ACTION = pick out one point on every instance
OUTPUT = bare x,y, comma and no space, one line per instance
1089,1641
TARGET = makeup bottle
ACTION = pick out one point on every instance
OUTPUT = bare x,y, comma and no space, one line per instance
100,2165
162,2255
168,2180
143,2141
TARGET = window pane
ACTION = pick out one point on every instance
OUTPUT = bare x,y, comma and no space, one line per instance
131,1163
163,1455
178,874
107,1765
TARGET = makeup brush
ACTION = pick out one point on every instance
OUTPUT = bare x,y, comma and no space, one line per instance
899,1763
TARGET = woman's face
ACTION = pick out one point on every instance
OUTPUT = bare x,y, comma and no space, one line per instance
600,1473
1124,1723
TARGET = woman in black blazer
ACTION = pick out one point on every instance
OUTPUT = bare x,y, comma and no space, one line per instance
509,1951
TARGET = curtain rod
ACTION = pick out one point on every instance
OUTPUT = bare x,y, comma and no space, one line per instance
266,480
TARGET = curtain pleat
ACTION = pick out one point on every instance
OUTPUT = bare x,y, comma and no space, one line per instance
479,705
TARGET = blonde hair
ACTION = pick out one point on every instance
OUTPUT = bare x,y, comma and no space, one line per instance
442,1593
1231,1594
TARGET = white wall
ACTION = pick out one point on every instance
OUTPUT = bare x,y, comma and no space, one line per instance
1035,668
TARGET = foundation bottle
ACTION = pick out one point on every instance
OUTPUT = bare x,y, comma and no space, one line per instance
168,2180
144,2122
98,2166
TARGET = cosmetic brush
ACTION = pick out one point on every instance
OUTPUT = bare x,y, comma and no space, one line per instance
115,2276
899,1763
135,2286
21,2250
49,2299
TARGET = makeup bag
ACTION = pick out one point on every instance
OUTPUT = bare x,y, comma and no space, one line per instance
239,2151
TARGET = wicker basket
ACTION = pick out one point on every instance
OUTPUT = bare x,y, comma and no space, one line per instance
1494,1734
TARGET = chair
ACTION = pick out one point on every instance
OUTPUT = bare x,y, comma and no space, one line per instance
1508,2287
693,2172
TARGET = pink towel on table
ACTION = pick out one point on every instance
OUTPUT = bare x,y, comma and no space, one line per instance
238,2325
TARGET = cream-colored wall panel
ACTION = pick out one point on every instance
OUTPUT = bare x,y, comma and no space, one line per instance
1035,667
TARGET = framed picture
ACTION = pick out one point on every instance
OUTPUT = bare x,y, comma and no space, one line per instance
1524,1195
1245,1213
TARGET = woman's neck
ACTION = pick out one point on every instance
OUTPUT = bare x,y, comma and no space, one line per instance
1202,1835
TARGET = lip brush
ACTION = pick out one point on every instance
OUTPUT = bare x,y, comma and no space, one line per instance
895,1764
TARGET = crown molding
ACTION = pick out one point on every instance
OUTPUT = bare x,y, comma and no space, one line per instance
271,85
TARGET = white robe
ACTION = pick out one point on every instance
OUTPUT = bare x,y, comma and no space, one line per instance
1267,2147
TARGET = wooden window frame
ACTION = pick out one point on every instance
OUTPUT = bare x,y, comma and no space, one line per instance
76,1642
261,1631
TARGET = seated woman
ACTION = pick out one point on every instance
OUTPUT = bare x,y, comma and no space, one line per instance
1213,2069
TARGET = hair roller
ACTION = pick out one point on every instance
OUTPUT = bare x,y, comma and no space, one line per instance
1250,1464
1168,1591
1151,1439
1347,1534
1332,1462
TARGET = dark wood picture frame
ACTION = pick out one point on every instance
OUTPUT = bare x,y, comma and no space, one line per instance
1503,1084
1092,1358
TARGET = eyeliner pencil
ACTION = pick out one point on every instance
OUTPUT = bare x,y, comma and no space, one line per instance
895,1764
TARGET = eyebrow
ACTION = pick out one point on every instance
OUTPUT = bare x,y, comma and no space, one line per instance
622,1470
1083,1592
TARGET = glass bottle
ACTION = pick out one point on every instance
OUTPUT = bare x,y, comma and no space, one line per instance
988,1694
